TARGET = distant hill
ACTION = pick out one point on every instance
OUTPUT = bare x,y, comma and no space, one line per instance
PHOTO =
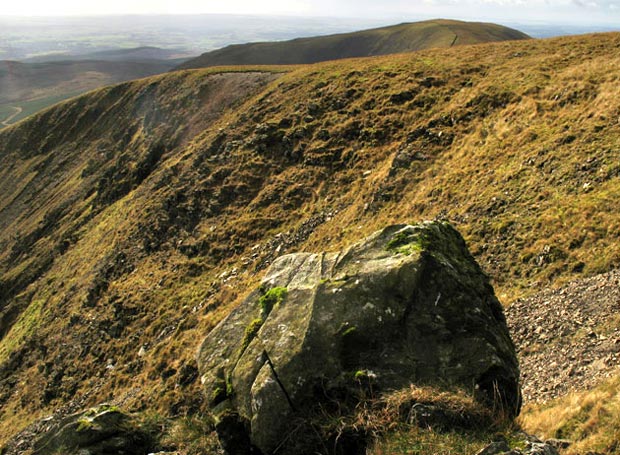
26,88
395,39
134,54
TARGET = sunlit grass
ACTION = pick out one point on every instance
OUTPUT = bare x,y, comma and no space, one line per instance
507,141
591,419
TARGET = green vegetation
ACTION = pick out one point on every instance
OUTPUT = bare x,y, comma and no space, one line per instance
23,329
31,107
360,375
86,422
36,86
380,41
270,299
406,243
218,395
250,333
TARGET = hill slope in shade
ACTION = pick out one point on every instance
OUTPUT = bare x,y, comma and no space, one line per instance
35,86
396,39
133,218
135,54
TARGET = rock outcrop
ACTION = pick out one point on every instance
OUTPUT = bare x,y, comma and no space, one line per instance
97,431
408,304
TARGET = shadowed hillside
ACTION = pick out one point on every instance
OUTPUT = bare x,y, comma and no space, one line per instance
133,218
134,54
381,41
31,87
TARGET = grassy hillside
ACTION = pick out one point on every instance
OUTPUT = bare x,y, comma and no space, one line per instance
132,219
133,54
35,86
380,41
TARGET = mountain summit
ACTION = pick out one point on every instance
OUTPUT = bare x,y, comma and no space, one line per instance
408,37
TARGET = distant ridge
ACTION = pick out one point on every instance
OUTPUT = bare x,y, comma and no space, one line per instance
406,37
135,54
26,88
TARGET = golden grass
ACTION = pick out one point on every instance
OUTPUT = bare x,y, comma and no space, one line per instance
591,419
391,433
525,167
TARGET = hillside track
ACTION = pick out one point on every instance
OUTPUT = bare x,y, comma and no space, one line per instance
7,121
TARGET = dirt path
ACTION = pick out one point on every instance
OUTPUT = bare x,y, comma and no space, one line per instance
568,339
7,121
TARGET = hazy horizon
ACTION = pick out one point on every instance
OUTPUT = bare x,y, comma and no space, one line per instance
568,12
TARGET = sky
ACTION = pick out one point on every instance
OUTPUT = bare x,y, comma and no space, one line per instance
584,12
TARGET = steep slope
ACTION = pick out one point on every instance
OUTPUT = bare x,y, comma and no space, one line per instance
133,218
32,87
407,37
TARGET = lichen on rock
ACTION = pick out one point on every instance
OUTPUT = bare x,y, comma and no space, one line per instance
408,304
101,430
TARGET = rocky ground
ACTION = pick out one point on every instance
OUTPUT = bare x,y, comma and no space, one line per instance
568,339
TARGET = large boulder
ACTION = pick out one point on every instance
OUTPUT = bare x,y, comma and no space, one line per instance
408,304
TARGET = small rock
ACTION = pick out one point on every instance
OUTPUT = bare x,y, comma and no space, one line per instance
542,449
559,443
495,448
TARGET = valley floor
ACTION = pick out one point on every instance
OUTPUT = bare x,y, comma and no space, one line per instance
7,120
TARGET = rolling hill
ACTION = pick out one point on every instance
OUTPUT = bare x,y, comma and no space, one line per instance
30,87
134,54
135,217
407,37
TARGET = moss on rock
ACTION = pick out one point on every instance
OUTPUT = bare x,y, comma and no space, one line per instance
407,305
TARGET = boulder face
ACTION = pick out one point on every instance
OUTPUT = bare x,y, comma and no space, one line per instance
408,304
97,431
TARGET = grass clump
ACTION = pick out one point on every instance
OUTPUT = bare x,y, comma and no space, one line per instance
451,421
188,435
417,420
591,419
